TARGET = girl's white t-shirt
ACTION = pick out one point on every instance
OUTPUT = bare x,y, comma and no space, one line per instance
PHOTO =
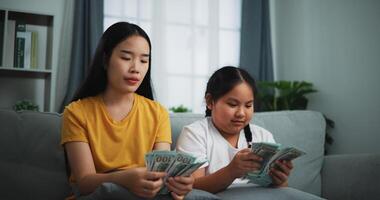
202,140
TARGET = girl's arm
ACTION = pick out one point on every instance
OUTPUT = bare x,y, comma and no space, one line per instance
215,182
281,173
137,180
243,162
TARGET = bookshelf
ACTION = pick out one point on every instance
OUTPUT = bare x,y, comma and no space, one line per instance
26,61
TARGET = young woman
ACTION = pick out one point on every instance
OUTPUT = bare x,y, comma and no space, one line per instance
224,136
113,121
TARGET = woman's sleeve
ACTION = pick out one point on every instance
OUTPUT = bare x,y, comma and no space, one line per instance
164,133
73,125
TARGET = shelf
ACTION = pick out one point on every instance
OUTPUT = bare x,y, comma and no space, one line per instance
15,72
27,35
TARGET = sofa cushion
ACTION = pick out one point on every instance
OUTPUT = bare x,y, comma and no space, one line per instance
351,176
116,192
301,129
306,131
31,161
262,193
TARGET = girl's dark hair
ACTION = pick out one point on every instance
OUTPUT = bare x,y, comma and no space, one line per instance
96,80
224,80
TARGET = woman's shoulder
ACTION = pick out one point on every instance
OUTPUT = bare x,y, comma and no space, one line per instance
152,105
82,104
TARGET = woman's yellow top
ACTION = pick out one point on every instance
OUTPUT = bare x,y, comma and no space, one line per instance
116,145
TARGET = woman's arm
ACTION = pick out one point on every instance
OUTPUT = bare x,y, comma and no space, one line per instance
161,146
179,185
137,180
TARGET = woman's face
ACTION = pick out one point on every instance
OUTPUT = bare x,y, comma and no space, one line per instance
233,111
128,64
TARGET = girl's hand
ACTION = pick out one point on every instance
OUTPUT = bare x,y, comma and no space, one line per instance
244,162
180,186
280,173
144,183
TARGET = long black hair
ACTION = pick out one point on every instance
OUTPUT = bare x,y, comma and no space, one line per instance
224,80
96,81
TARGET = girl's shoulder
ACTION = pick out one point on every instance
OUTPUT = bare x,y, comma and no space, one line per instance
261,133
199,124
194,134
199,127
258,128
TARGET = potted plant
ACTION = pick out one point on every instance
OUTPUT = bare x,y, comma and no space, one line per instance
25,105
180,109
288,95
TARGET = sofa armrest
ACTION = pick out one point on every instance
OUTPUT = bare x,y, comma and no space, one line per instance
351,176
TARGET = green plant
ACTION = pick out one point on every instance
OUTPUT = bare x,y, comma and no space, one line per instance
180,109
25,105
287,95
284,95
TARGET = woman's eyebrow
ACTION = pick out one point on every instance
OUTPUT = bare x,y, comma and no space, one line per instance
130,52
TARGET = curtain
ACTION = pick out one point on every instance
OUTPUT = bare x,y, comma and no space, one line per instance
63,68
255,49
87,30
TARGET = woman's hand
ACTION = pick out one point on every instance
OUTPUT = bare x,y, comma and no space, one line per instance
180,186
244,162
280,173
144,183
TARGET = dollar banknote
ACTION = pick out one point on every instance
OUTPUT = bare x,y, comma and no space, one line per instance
270,152
173,163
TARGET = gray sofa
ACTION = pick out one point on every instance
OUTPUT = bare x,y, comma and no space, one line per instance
32,163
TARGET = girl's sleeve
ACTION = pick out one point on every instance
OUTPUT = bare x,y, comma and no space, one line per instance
193,142
73,125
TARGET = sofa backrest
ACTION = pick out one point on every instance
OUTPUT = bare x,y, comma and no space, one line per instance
302,129
31,159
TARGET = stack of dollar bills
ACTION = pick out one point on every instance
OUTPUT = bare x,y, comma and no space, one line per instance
270,152
173,163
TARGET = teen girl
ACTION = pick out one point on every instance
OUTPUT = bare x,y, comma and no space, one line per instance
112,122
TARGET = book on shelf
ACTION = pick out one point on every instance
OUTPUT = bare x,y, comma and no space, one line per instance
2,32
10,44
29,45
19,44
34,51
40,48
24,49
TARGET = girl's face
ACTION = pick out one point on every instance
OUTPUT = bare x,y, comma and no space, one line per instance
233,111
128,64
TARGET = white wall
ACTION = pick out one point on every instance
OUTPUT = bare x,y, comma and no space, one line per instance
21,88
334,44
